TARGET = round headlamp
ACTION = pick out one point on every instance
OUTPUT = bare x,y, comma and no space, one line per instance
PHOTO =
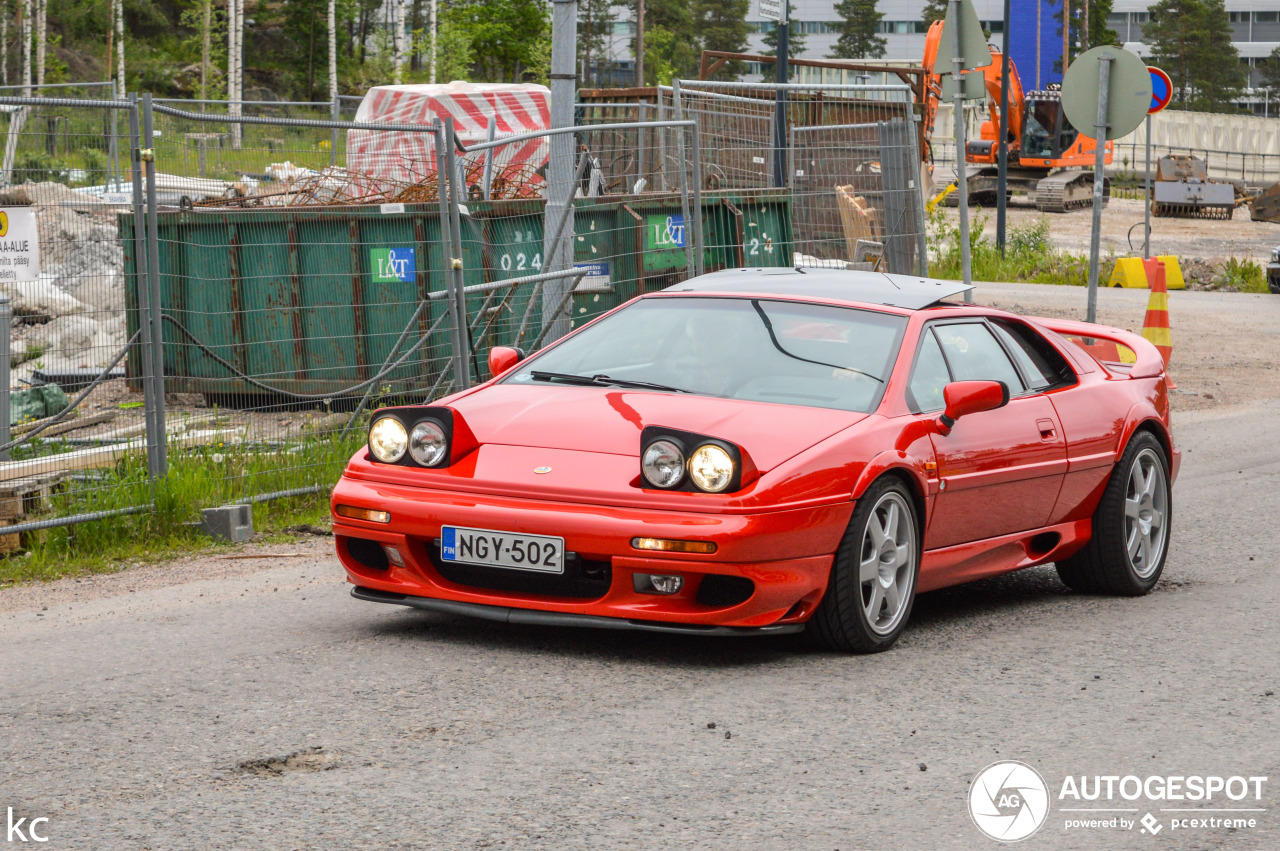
388,440
427,443
663,464
711,468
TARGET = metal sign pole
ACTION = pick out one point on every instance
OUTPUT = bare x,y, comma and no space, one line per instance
1146,234
1099,178
1002,179
962,182
780,110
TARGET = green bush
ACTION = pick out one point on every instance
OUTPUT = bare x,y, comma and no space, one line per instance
39,168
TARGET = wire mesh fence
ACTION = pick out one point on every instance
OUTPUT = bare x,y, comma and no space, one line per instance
241,291
849,160
63,282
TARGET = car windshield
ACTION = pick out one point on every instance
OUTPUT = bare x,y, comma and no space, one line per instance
737,348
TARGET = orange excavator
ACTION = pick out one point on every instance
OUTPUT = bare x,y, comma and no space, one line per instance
1048,158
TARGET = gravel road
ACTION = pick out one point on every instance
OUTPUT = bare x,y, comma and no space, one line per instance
1122,220
251,703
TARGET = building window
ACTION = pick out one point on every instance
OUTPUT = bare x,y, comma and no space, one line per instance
624,28
1266,17
1139,17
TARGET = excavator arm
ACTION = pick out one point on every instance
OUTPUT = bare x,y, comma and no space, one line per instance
1017,100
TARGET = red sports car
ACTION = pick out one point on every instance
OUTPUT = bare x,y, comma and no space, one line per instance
765,451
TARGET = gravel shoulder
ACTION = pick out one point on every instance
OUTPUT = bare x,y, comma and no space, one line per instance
1122,220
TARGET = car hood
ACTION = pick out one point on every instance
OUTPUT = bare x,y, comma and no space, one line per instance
609,420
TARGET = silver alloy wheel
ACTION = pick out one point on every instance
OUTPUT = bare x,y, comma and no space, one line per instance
1146,513
886,563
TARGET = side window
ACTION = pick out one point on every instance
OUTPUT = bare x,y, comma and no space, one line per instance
1042,365
929,377
974,355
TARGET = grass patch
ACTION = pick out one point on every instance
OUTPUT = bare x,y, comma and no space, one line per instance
1245,276
199,477
1029,255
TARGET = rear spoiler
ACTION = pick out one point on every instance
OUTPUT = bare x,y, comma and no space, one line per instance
1116,349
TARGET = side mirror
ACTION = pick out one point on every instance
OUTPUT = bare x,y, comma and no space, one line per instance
502,358
970,397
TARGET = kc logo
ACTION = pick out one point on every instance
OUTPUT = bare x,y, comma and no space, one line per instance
15,834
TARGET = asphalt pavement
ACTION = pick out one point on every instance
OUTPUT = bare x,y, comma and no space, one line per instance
270,710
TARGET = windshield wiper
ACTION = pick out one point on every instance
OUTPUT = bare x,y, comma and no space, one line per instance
601,381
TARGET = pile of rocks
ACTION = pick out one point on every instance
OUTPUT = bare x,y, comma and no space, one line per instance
73,316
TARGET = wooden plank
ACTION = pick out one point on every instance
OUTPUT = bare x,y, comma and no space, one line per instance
68,425
99,456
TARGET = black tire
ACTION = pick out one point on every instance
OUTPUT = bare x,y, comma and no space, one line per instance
841,621
1105,565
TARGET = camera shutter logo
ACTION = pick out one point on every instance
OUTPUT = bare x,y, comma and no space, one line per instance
1008,801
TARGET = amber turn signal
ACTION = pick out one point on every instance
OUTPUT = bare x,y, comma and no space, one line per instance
363,514
669,546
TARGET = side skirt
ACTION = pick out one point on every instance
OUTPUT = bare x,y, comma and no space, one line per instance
979,559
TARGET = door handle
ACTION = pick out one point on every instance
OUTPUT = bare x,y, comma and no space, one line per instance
1048,431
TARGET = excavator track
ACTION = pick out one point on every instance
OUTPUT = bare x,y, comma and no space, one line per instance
1067,191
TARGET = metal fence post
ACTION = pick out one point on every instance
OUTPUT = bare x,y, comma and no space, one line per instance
6,312
141,254
681,159
457,349
153,277
490,133
336,115
699,253
113,144
457,194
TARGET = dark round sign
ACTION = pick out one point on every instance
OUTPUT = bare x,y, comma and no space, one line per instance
1161,89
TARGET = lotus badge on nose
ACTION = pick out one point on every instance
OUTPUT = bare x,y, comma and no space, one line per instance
542,469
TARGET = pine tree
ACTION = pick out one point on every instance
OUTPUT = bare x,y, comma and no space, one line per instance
722,25
859,30
669,52
1191,41
795,40
1270,69
934,10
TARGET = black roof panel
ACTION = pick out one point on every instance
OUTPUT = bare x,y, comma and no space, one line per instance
905,291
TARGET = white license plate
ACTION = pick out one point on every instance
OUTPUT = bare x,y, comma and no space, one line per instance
540,553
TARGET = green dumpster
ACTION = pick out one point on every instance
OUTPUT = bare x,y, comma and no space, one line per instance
309,300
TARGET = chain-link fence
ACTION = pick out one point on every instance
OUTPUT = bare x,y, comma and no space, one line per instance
69,411
214,317
849,159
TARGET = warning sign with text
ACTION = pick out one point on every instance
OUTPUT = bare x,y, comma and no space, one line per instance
19,244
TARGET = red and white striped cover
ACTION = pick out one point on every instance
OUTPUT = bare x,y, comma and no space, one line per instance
408,157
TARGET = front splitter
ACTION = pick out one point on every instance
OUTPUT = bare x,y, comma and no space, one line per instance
506,614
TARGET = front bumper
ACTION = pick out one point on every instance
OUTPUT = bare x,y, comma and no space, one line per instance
1273,277
786,555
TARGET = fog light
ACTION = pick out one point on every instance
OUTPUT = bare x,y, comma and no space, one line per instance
656,583
668,546
363,514
393,555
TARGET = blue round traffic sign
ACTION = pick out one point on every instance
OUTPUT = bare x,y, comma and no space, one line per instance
1161,89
